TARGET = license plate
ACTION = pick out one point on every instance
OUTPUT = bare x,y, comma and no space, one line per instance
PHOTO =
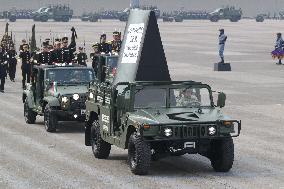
83,112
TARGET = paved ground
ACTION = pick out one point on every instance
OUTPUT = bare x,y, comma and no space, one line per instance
32,158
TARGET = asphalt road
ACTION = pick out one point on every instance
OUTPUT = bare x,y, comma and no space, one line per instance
32,158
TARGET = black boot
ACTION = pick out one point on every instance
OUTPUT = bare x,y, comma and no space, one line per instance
24,85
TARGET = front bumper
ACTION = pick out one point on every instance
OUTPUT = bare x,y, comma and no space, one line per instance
190,131
67,115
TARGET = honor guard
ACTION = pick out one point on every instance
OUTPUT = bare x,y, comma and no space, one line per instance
24,42
3,71
12,62
94,57
104,47
66,52
222,41
26,65
45,56
82,57
116,42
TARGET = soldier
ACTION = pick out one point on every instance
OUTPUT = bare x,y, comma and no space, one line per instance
12,62
104,47
55,53
3,72
26,65
82,57
222,41
94,57
187,98
24,42
45,56
116,42
66,52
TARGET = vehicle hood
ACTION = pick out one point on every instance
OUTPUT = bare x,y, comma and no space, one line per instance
176,115
68,90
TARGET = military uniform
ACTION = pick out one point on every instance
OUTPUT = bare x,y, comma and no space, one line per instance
104,48
94,57
222,41
3,71
26,67
66,53
81,59
186,100
12,63
116,42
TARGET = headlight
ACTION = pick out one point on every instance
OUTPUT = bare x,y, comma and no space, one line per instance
212,130
64,99
76,96
168,132
91,95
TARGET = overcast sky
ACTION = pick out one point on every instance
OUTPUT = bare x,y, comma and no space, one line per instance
250,7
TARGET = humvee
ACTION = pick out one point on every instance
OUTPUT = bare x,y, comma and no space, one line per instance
152,120
231,13
58,93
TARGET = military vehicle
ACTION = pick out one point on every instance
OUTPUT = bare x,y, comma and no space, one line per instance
231,13
123,16
58,93
261,17
143,111
92,17
56,12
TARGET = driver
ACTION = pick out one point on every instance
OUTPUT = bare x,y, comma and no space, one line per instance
186,98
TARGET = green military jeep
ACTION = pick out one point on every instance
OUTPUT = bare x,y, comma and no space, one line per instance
58,93
156,119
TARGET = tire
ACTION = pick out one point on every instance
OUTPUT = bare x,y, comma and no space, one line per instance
139,155
50,120
222,157
214,18
44,18
101,149
30,116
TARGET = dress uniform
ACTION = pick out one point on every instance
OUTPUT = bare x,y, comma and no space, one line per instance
222,41
26,65
66,52
45,56
116,42
94,57
81,57
103,47
3,71
12,63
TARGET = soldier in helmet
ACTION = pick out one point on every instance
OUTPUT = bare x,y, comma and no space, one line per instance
3,71
222,41
82,57
25,55
103,46
187,98
116,42
45,56
12,62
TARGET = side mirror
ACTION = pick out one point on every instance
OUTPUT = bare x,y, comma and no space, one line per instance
221,100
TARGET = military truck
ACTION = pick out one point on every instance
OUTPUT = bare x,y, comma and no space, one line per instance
231,13
56,12
152,120
92,17
58,93
143,111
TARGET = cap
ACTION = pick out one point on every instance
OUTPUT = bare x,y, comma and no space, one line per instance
45,44
57,40
81,48
95,45
103,35
279,34
221,29
64,39
115,33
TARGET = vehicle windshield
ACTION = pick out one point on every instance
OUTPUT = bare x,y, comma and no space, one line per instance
181,97
69,76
